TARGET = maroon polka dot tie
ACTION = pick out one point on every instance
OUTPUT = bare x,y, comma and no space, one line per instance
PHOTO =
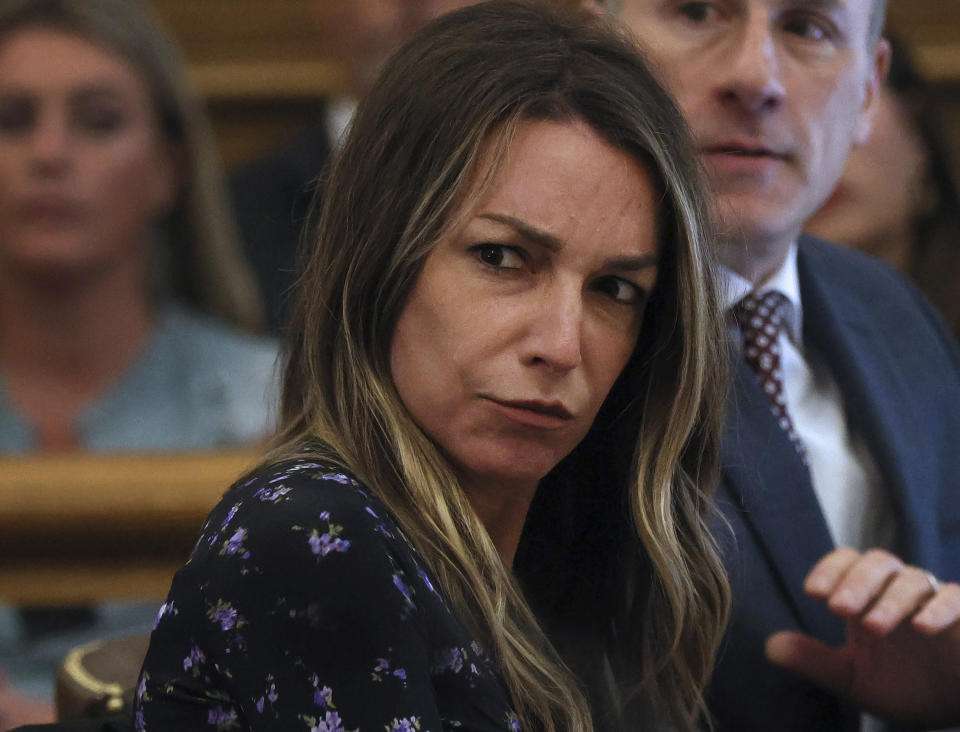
760,318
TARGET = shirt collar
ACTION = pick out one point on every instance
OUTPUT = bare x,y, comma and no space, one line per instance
786,279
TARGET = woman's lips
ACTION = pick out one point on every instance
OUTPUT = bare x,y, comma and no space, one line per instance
534,413
49,210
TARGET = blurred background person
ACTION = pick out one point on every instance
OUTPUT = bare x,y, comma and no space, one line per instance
125,304
898,196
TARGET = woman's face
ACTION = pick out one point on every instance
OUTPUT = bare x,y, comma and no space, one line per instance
521,320
84,169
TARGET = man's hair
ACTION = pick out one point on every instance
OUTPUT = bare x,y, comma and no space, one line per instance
425,143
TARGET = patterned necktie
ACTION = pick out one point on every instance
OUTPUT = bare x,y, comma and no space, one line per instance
760,318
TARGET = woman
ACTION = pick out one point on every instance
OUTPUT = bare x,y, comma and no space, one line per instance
123,298
898,196
116,247
513,225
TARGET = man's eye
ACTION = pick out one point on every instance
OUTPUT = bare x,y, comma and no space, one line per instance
499,256
697,12
620,290
807,28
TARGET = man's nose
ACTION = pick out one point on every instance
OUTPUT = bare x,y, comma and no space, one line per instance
752,78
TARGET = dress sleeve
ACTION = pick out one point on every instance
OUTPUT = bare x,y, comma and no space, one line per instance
304,616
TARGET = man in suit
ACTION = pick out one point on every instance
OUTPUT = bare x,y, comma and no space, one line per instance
272,196
843,433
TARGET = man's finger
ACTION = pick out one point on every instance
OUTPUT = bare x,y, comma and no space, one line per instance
810,658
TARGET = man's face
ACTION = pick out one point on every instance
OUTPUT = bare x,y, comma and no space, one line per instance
775,92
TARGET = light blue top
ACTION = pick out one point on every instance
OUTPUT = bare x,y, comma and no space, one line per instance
198,385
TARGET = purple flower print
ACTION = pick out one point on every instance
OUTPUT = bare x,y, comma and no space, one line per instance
322,697
194,658
455,660
323,544
270,494
224,614
142,687
166,608
331,722
407,724
230,514
383,669
221,718
514,722
138,724
404,589
428,583
235,544
337,477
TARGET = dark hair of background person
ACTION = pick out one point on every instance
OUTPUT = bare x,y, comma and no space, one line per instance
935,264
426,141
197,257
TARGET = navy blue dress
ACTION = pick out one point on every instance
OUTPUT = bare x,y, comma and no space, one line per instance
304,607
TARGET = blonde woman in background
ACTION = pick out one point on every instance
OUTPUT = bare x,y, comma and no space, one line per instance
126,310
509,270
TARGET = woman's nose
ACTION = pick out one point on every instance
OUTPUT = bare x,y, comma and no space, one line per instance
556,332
49,143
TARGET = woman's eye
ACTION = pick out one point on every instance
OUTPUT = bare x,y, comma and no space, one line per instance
16,117
698,12
499,256
99,120
620,290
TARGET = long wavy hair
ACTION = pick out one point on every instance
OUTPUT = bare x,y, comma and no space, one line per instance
198,257
424,143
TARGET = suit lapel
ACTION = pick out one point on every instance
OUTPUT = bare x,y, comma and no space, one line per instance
877,399
771,486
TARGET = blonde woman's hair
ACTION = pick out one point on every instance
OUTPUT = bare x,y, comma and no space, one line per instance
425,142
199,251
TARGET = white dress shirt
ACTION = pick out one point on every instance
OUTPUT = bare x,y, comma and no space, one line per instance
845,478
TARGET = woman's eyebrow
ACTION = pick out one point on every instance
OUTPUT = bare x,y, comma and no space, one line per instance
626,263
544,238
633,263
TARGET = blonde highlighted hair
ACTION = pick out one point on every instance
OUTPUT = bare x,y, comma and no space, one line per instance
425,141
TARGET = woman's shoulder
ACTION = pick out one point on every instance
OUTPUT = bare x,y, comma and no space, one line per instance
289,517
304,488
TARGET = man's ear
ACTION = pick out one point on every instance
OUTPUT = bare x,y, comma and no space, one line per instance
876,75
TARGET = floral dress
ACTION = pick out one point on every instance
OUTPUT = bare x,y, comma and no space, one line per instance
303,607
